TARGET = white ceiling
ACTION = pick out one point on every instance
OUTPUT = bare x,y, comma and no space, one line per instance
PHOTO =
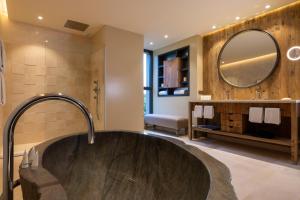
152,18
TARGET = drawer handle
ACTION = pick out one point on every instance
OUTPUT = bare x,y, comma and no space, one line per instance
230,126
231,120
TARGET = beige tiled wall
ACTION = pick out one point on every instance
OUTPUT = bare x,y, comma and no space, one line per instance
33,67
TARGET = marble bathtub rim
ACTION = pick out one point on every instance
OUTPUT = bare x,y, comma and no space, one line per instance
220,177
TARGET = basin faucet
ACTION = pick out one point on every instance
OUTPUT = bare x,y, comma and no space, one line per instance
227,94
8,135
258,92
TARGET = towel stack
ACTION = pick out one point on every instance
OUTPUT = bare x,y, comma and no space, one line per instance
163,92
256,114
206,112
198,111
180,91
272,116
267,115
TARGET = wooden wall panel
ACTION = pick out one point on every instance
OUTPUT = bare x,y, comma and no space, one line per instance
284,25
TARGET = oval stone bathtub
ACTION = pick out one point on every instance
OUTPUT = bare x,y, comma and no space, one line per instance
124,166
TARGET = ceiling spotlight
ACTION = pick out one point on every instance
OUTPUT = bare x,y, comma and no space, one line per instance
46,41
166,36
267,6
214,27
40,17
151,43
237,18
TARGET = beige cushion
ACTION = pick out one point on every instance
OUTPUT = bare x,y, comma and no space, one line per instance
168,121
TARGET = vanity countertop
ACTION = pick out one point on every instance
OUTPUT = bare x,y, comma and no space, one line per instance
248,101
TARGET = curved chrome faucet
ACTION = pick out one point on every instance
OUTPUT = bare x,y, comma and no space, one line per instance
8,135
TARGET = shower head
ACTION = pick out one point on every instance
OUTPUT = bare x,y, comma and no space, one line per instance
78,26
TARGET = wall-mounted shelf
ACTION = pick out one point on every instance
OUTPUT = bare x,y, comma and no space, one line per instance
278,141
174,73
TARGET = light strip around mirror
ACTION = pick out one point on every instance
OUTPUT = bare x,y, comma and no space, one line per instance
266,56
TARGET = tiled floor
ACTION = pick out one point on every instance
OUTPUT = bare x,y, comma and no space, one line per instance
256,174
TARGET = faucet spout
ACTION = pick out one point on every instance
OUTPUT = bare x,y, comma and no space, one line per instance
8,135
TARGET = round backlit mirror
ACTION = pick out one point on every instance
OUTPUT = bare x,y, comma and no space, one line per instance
248,58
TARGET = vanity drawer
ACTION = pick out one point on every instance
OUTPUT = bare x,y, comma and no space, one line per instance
231,117
229,122
232,129
232,122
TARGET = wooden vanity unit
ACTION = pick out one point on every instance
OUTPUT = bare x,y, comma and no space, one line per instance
231,116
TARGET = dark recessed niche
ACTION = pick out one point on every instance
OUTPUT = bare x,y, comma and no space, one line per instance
174,73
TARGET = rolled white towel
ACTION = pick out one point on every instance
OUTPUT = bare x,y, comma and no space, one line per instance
198,111
163,92
208,112
272,116
256,114
178,92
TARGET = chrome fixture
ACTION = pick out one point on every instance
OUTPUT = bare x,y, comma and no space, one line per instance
8,135
258,92
96,97
227,94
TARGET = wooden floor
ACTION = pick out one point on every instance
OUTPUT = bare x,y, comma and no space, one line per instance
257,174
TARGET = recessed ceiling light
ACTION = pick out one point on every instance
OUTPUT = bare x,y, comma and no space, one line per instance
166,36
46,41
151,43
40,17
214,27
267,6
237,18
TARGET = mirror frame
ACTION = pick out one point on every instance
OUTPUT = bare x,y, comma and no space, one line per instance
231,38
